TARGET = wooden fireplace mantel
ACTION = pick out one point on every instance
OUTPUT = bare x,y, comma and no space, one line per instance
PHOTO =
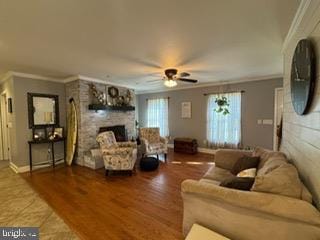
97,107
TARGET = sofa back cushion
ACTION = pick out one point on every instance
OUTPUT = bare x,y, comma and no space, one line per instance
227,158
245,162
271,164
151,134
283,180
265,154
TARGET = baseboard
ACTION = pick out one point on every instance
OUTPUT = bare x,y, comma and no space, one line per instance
26,168
201,150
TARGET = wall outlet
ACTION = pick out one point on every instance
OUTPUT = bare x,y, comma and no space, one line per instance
267,121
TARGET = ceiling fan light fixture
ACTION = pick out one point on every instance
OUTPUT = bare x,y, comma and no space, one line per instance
170,83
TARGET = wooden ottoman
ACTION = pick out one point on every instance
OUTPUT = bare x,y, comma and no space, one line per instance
185,145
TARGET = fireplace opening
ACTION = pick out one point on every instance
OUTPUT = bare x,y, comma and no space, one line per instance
119,131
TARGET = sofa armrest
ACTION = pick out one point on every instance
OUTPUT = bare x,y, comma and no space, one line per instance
127,144
226,158
273,204
164,140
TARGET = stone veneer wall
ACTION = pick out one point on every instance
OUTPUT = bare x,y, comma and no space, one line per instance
90,121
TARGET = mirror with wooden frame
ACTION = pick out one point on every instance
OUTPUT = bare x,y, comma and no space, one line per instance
43,110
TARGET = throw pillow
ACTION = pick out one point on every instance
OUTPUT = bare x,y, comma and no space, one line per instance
283,180
240,183
251,172
245,163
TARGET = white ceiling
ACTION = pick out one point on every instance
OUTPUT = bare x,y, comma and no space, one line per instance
131,42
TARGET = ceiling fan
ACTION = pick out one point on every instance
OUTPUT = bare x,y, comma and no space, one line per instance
172,76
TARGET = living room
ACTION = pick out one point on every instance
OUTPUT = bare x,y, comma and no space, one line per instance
160,120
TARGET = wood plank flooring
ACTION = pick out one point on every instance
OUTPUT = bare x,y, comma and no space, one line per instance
147,205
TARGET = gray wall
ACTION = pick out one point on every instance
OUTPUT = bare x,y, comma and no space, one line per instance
20,133
257,103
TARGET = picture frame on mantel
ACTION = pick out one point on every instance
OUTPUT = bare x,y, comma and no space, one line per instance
186,110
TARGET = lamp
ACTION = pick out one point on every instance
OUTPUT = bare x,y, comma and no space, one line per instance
170,83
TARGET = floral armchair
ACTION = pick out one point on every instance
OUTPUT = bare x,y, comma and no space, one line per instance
152,143
117,155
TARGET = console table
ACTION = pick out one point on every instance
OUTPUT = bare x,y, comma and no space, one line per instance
52,142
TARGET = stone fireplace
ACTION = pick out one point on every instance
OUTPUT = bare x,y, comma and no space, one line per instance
90,121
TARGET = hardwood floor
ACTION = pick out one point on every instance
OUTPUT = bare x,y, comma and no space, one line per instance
147,205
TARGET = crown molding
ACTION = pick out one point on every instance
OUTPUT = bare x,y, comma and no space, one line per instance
220,83
5,77
90,79
302,9
31,76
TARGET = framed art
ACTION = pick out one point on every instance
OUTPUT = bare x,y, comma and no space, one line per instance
58,132
186,110
39,134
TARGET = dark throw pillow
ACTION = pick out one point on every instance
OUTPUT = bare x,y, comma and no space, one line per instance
241,183
245,163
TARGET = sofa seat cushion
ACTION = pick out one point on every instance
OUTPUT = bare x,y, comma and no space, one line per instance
283,180
265,155
218,174
205,180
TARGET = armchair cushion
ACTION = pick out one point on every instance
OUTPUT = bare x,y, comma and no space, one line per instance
117,151
127,144
151,134
106,139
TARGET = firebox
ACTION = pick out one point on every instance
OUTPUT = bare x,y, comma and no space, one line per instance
119,131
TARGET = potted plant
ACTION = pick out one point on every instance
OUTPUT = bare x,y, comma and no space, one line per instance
223,104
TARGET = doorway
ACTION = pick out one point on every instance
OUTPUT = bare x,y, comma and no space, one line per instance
4,130
278,114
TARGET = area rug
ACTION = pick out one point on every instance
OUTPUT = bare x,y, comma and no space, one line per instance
20,206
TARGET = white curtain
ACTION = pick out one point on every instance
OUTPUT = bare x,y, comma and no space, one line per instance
224,131
158,115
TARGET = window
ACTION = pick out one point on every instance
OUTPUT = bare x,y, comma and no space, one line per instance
157,115
224,130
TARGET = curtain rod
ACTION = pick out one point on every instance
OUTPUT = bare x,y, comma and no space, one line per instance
205,94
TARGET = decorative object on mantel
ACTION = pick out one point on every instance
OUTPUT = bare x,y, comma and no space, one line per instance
117,102
100,96
223,105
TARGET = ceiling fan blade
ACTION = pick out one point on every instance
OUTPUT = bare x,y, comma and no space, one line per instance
187,80
184,74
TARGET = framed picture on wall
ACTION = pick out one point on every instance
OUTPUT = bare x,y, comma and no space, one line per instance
186,110
39,134
58,132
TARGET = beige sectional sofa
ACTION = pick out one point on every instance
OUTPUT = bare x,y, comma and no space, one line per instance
278,206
